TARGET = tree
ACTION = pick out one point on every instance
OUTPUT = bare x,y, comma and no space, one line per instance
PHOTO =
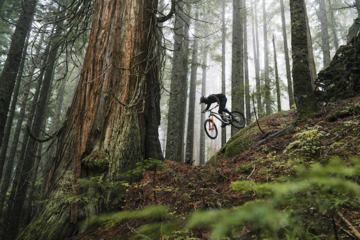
246,68
223,62
191,115
324,33
333,26
12,63
203,93
266,65
277,81
237,66
176,115
107,128
256,58
286,52
305,99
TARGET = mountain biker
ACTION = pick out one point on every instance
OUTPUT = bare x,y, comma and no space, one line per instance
220,99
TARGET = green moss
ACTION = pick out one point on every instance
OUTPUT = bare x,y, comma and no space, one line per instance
97,160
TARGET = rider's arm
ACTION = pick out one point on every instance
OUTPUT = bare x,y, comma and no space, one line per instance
207,107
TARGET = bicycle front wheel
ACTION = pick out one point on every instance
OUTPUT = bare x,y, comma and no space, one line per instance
238,119
210,129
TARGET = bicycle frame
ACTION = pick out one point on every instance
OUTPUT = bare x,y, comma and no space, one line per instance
213,114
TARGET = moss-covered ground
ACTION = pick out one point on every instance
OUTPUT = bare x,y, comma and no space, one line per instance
186,189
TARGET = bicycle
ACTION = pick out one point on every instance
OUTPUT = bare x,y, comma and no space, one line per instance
235,118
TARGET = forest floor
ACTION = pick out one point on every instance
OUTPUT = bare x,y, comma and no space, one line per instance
185,189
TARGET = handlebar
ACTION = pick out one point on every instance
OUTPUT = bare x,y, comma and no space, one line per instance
209,110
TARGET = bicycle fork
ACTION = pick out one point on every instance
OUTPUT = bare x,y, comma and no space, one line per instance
211,124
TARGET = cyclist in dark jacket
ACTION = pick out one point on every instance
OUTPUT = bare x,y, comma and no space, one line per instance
220,99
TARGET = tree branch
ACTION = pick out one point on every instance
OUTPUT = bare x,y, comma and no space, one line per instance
170,14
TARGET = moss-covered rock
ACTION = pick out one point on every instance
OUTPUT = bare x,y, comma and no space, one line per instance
341,80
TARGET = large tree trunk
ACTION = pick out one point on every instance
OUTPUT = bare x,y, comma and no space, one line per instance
107,126
237,72
324,33
202,120
277,79
12,63
333,26
177,101
266,65
305,99
286,53
191,115
246,68
223,64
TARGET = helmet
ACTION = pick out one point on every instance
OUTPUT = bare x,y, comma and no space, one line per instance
202,98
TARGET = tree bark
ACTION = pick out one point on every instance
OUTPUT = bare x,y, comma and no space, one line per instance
246,68
304,96
106,129
324,33
10,118
333,26
177,101
237,72
277,79
223,65
191,114
286,53
266,65
203,93
12,63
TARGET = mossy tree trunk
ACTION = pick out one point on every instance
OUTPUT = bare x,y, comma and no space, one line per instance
305,99
107,128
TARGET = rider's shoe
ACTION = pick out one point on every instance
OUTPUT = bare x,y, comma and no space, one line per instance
223,125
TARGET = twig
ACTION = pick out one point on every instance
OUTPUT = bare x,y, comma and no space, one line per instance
251,172
271,136
257,121
357,234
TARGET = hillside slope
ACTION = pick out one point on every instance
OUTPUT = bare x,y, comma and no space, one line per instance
186,189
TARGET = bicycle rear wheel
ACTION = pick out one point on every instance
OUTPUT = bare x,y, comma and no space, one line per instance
210,129
238,119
